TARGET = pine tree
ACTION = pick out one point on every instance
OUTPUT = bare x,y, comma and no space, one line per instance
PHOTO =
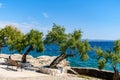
111,56
30,41
71,42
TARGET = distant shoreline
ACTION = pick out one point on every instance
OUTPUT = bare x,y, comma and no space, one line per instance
101,40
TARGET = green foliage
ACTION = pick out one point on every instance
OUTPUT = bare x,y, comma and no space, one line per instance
56,35
99,52
18,44
63,48
16,40
77,34
83,48
117,47
9,35
87,46
84,57
101,63
33,38
71,41
112,56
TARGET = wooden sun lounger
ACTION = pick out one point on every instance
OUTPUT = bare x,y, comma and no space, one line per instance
11,62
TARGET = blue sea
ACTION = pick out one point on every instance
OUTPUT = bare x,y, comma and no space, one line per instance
52,50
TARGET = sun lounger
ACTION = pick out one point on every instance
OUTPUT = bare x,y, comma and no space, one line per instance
11,62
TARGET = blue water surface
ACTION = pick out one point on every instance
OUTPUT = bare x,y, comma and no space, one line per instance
53,50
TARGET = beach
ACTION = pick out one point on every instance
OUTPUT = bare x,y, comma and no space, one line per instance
13,74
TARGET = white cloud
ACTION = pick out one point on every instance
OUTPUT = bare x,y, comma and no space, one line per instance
25,27
1,5
3,24
45,15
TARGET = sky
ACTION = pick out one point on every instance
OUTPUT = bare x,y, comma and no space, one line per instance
97,19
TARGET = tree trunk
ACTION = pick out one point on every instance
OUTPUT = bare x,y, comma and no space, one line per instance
57,60
116,74
26,53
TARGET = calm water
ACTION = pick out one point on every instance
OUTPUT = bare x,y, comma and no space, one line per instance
92,61
52,50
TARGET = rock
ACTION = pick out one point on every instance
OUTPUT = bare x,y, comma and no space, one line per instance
46,60
4,55
54,72
16,56
29,57
39,61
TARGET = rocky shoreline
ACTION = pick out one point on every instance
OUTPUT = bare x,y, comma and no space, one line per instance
39,62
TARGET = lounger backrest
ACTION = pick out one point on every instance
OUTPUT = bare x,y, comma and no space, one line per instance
12,62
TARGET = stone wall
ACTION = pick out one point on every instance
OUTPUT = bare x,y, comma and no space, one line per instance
93,72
